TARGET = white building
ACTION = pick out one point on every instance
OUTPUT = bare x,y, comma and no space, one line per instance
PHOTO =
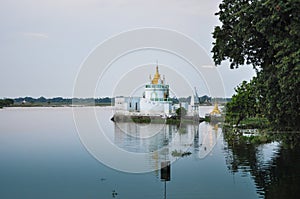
131,104
155,100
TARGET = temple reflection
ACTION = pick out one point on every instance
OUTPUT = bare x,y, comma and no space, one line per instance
161,142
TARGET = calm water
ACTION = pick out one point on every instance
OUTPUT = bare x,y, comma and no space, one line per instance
43,156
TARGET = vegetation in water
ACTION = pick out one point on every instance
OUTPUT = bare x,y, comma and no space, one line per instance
179,153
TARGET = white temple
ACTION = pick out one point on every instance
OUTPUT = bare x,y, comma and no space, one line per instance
155,100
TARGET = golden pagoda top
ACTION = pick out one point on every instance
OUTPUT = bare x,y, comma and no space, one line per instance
156,77
216,110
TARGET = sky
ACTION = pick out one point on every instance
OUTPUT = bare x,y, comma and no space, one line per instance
45,43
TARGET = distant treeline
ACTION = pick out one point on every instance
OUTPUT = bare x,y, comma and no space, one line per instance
61,100
56,101
6,102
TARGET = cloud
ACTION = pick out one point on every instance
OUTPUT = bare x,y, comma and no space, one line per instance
35,35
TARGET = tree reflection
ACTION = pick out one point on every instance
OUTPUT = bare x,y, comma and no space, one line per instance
279,176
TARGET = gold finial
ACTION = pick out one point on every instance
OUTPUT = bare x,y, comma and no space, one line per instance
156,77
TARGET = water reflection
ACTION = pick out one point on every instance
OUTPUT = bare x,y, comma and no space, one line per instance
163,144
166,142
165,175
209,137
42,157
274,165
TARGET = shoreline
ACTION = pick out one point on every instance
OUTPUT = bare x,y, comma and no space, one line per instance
156,119
58,105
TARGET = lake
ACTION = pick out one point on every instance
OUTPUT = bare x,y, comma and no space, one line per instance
65,152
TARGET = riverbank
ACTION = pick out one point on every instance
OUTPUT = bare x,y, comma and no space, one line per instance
156,119
249,123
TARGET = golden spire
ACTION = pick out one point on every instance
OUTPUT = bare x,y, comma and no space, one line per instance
215,110
156,77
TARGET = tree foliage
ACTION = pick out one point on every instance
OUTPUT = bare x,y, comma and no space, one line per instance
265,34
181,112
6,102
243,104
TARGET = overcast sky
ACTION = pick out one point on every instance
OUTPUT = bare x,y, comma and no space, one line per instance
44,43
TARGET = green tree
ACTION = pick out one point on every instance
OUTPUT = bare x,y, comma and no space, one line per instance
181,112
265,34
6,102
243,104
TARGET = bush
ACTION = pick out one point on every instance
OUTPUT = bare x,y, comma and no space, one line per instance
181,112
